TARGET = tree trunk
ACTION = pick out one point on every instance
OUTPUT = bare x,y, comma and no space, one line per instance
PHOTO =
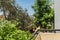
4,14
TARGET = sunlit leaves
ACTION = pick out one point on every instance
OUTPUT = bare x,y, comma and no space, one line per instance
8,31
44,14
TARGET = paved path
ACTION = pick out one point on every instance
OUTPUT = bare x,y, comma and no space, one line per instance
48,36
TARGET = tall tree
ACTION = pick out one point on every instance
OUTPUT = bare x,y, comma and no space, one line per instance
15,13
44,14
4,5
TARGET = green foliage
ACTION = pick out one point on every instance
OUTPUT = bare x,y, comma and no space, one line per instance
44,14
15,12
8,31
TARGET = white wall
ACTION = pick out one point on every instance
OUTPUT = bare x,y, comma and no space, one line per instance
57,14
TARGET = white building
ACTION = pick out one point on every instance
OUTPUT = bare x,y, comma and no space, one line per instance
57,13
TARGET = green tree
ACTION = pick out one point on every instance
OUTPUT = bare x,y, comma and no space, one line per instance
44,14
6,5
15,13
23,18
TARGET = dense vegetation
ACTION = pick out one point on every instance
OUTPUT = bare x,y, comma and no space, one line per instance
44,14
15,13
17,24
8,31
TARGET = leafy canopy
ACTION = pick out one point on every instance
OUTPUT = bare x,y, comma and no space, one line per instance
44,14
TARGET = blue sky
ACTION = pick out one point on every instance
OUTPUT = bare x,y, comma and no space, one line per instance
26,4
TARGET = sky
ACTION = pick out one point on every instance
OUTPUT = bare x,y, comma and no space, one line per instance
26,4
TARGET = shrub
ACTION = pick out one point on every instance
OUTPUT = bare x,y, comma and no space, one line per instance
8,31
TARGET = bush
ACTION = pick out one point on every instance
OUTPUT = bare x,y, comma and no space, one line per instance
8,31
